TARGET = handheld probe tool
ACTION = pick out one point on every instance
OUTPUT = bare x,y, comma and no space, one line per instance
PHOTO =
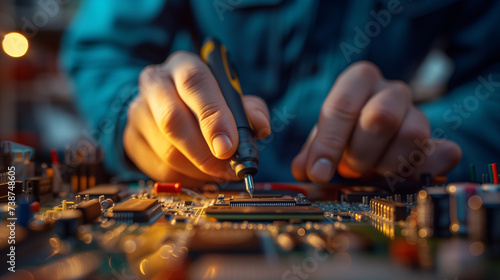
245,159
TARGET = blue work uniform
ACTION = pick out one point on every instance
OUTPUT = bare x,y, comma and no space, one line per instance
290,53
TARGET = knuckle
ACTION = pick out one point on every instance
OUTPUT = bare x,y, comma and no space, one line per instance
383,117
329,143
410,133
209,114
194,79
341,107
170,120
152,77
178,55
147,75
401,87
366,69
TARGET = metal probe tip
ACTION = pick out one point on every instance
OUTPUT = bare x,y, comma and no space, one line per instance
249,184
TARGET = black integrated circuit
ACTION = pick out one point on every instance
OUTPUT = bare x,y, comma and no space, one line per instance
265,208
115,192
136,210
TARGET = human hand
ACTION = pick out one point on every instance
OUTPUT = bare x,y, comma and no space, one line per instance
179,127
366,124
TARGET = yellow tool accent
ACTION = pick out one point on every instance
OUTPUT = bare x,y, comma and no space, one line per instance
235,81
207,48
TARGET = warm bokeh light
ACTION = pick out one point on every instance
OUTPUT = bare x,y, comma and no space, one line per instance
476,248
422,194
475,202
15,44
452,189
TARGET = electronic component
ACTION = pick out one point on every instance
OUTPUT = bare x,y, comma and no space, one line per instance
115,192
41,188
91,210
459,195
356,193
136,210
388,209
165,188
285,231
67,223
484,220
259,201
264,208
433,212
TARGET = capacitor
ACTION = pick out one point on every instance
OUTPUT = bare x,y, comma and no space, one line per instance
483,223
433,208
459,195
164,187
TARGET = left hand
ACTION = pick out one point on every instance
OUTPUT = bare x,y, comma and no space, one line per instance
369,124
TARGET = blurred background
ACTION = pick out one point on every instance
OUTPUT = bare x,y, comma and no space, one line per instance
37,106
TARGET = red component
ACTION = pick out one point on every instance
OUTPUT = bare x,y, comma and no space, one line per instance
281,187
494,172
403,252
161,187
35,207
54,157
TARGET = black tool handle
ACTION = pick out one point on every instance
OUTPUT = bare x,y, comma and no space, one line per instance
246,158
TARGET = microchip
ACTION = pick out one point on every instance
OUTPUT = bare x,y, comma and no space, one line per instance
280,201
265,208
115,192
136,210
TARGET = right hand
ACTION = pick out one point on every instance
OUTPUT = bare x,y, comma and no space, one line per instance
179,128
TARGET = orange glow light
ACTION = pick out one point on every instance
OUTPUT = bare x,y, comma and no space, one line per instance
15,44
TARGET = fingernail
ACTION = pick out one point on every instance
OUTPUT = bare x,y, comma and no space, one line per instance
322,170
221,144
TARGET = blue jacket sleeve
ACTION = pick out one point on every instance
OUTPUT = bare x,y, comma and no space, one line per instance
469,113
104,50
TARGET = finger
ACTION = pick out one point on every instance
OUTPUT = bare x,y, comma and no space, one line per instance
258,114
440,160
299,162
414,131
338,116
144,123
174,119
199,90
137,150
378,123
